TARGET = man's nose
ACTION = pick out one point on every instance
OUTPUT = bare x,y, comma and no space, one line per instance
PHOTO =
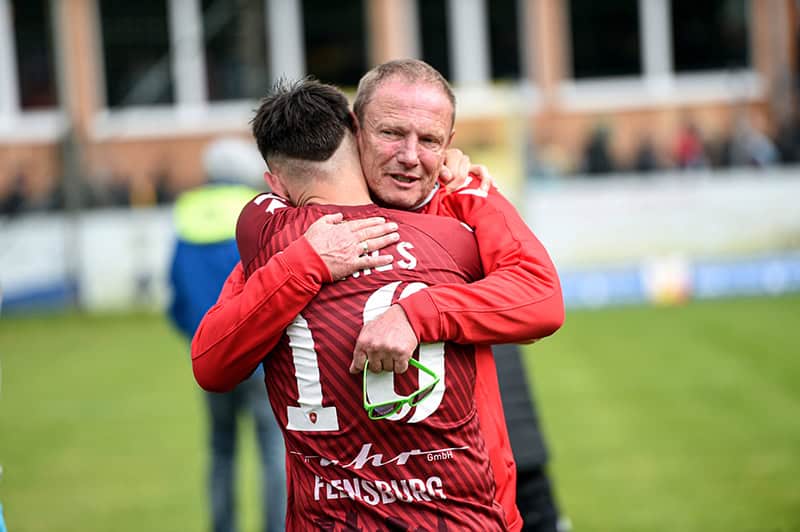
408,155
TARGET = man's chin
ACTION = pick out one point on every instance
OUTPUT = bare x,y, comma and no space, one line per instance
397,200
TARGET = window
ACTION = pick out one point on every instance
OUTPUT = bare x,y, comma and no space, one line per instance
136,49
335,40
34,43
235,49
605,38
432,16
709,35
504,39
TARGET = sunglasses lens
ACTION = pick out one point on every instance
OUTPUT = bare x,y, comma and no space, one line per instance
421,395
385,410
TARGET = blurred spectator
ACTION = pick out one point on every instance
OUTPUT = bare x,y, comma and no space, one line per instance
14,201
689,151
141,192
548,159
750,147
205,253
646,157
597,155
118,190
718,149
108,190
163,192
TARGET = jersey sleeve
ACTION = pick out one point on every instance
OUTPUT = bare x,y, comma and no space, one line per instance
251,313
520,298
250,316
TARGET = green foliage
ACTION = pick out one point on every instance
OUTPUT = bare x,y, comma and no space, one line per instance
659,419
675,418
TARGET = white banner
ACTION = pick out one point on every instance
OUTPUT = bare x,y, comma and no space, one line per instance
600,221
659,225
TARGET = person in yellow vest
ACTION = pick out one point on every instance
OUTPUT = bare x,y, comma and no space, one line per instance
205,253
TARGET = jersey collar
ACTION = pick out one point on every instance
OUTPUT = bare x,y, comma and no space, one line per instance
428,198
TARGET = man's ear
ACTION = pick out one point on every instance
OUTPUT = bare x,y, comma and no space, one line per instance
449,140
354,118
266,181
275,184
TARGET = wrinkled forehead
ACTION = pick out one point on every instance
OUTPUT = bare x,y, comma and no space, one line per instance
398,95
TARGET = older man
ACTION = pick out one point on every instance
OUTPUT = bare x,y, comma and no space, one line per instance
406,112
404,463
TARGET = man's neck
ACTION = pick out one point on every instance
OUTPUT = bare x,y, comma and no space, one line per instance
348,190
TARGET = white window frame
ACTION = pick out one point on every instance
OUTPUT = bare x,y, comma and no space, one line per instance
192,113
478,96
16,124
468,33
660,84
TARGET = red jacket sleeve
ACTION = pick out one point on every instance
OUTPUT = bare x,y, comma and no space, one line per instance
249,317
518,301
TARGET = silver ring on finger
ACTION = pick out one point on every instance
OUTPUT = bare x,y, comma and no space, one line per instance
365,248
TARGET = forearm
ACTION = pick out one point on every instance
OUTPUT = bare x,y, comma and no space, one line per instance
519,305
249,318
520,298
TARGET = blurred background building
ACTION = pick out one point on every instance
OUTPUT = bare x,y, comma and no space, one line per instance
106,103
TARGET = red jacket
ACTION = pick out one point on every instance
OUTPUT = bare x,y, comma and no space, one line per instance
519,300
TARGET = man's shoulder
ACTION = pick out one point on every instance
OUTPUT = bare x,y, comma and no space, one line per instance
428,223
263,205
265,215
255,214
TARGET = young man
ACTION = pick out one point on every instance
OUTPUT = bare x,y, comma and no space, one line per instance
402,154
424,465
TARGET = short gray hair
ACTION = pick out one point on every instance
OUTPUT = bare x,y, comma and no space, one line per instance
412,70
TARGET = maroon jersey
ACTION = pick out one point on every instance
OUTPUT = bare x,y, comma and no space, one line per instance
423,468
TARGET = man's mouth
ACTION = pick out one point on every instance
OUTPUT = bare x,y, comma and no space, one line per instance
403,178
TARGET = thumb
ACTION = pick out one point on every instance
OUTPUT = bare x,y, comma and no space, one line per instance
359,360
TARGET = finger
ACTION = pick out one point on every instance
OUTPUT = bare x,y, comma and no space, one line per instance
359,359
375,365
376,231
358,225
463,167
445,176
381,242
368,262
400,366
483,172
452,156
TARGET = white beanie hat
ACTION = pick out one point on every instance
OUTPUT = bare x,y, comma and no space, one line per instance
234,160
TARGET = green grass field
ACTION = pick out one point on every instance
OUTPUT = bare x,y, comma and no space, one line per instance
659,419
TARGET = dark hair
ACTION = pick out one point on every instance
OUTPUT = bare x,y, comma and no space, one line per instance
304,119
411,70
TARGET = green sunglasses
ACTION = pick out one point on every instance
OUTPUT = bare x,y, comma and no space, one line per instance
387,408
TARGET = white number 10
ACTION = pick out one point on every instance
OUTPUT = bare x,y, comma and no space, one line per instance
310,415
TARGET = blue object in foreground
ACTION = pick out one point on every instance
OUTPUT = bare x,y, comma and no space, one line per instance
2,521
